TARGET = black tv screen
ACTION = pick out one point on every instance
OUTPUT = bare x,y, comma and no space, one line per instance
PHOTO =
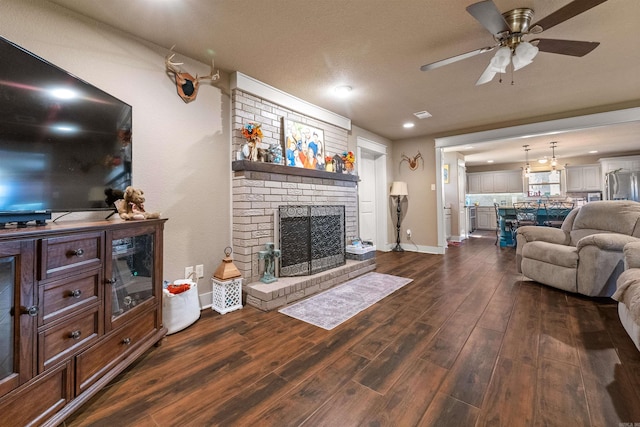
63,142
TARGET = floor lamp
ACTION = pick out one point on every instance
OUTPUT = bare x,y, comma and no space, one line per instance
398,190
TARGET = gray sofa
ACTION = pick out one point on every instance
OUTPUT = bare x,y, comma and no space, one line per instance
628,292
584,255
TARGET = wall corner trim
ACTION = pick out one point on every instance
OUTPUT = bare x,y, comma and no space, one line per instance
263,90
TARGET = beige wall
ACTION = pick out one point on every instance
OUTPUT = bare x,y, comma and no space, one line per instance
181,151
421,214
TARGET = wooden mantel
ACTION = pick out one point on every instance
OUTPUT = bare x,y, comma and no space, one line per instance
246,165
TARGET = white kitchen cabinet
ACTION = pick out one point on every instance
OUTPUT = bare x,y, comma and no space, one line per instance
625,164
495,182
473,180
514,182
500,182
584,178
486,183
486,217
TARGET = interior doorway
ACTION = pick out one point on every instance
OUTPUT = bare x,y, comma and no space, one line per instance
372,192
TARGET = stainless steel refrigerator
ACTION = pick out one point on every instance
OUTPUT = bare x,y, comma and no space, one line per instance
622,185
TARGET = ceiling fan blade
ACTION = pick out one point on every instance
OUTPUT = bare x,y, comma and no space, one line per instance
456,58
576,7
565,47
486,76
489,16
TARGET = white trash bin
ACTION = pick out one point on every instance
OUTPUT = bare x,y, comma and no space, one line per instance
180,310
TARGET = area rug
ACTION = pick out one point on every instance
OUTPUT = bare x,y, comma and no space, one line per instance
333,306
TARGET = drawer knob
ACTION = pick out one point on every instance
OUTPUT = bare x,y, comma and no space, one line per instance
31,311
111,281
78,252
75,335
126,341
76,293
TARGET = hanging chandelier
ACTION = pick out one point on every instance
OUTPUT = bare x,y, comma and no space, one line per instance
554,161
527,167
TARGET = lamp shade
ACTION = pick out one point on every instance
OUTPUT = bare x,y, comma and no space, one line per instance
524,54
399,188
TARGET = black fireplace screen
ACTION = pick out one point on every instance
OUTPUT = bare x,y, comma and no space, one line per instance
312,239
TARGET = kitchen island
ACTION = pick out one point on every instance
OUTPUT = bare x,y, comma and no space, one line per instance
507,215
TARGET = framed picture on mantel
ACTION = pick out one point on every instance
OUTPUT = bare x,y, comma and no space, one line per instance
303,145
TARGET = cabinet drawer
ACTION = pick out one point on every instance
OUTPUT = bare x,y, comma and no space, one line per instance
62,297
60,341
97,360
70,254
39,399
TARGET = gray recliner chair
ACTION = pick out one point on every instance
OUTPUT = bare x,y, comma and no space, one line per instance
584,255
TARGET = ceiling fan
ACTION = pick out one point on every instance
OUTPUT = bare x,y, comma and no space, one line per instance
509,30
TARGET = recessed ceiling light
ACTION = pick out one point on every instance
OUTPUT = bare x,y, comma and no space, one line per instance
408,125
468,147
489,161
542,161
343,90
593,151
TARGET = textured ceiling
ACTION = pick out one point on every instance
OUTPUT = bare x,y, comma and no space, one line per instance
307,47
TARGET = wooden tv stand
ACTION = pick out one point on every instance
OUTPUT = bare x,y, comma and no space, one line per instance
79,302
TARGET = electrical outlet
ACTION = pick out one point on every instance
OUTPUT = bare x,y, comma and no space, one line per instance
408,233
200,271
188,271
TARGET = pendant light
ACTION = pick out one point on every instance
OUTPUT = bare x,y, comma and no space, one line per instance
527,167
554,161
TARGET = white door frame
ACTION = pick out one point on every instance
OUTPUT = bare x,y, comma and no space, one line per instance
379,152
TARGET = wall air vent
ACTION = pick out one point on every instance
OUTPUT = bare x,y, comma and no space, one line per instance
422,114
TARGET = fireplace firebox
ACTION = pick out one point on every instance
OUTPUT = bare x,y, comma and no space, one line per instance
312,239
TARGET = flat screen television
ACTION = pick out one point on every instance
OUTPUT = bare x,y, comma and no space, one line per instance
63,142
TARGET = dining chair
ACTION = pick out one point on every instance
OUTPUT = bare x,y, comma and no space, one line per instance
556,212
526,213
509,224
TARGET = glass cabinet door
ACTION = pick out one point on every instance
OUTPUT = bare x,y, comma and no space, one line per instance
17,315
131,274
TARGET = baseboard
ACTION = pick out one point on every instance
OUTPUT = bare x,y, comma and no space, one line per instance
417,248
206,300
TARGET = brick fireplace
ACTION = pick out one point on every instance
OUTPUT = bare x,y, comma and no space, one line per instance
260,189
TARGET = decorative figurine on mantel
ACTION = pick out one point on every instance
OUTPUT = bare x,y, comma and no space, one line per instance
253,134
269,256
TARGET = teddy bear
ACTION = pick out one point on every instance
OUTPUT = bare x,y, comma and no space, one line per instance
132,205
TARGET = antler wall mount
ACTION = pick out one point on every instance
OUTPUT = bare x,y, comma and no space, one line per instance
413,161
186,84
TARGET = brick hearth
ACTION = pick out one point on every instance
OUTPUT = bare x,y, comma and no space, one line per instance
290,289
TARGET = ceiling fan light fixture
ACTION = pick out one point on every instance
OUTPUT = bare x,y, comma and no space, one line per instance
524,54
500,60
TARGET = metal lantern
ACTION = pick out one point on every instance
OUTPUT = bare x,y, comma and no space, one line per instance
227,270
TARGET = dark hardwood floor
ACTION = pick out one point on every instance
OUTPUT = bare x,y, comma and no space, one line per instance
467,343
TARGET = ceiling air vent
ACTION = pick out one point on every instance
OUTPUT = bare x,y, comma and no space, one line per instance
422,114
